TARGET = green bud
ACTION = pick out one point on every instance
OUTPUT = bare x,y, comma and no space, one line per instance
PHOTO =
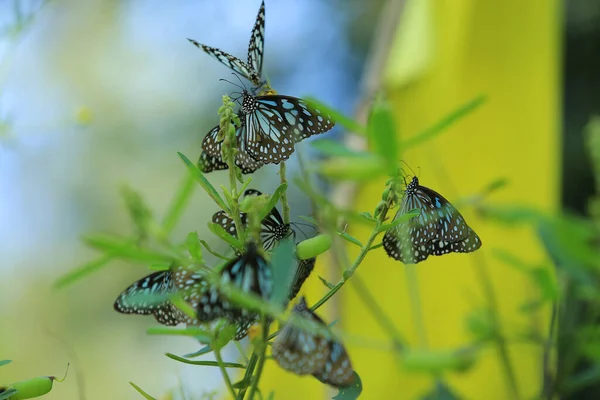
353,168
436,362
313,247
32,388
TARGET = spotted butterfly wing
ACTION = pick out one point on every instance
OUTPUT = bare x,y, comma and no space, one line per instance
257,42
249,273
150,295
211,158
299,351
251,70
303,352
275,123
438,229
338,370
273,229
303,270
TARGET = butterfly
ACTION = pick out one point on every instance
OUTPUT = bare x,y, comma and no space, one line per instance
273,124
273,229
211,158
150,295
437,230
249,273
302,352
251,70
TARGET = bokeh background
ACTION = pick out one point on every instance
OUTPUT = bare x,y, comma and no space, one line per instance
99,94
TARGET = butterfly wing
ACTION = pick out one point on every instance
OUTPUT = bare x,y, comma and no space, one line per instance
227,59
438,229
453,233
338,370
303,271
275,123
257,42
297,350
150,295
273,229
211,158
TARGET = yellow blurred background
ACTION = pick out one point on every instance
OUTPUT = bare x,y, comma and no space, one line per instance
100,94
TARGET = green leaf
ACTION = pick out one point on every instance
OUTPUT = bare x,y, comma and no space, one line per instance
337,116
4,362
382,132
182,305
159,266
444,124
243,384
84,270
178,205
350,238
214,253
205,350
546,283
335,148
205,363
6,395
326,283
512,214
222,233
125,249
190,331
437,361
199,176
140,391
399,220
224,336
440,392
273,200
282,264
193,245
351,392
360,169
139,212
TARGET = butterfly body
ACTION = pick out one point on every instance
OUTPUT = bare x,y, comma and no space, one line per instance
438,229
249,273
273,228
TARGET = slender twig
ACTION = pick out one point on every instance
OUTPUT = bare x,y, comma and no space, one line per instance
501,346
224,372
285,207
412,283
261,357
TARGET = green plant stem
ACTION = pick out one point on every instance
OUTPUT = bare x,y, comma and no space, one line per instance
261,357
500,340
235,205
285,207
249,372
377,312
412,283
224,372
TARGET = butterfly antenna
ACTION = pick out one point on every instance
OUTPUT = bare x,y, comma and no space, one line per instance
295,224
234,84
411,170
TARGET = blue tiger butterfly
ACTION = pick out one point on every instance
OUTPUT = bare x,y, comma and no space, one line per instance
251,70
303,352
438,229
